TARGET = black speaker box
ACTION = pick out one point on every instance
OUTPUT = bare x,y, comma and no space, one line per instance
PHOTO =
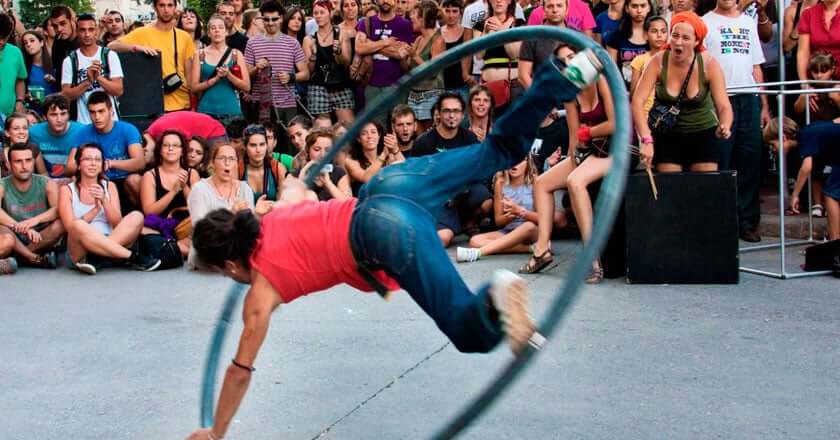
820,256
142,86
689,235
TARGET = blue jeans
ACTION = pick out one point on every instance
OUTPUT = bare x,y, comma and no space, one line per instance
393,227
818,140
742,152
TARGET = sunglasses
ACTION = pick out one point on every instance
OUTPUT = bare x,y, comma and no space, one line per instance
270,19
822,69
253,129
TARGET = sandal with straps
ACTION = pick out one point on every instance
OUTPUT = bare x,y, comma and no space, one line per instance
537,262
596,276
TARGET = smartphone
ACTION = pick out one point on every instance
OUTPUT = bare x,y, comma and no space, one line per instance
328,168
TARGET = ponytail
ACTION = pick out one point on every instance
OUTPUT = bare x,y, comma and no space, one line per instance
223,235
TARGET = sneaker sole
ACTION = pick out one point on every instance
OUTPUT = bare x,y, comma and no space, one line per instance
150,268
515,319
85,268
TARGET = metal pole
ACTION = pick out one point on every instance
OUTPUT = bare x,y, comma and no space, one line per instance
788,83
780,13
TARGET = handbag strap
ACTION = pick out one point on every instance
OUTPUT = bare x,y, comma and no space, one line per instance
685,82
175,44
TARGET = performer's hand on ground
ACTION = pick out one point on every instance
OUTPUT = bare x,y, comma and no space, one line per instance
201,434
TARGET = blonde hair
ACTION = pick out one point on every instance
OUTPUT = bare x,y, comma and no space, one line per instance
530,172
789,127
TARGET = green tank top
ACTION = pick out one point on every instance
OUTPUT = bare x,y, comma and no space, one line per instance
22,206
433,82
697,113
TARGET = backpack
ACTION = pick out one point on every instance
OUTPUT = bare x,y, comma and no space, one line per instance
274,167
162,248
74,68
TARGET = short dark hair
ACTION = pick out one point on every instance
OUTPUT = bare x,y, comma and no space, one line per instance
57,100
449,95
453,4
21,146
235,127
85,17
155,2
99,97
301,120
272,6
6,26
226,236
116,12
61,11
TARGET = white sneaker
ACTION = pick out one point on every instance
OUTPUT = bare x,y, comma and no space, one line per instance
510,297
467,255
84,267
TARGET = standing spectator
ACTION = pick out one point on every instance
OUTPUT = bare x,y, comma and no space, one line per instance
55,136
456,77
608,21
190,22
275,62
368,155
293,23
120,144
349,20
578,17
28,215
115,27
239,7
253,23
429,44
38,62
818,31
656,30
387,37
500,70
219,74
91,68
630,40
329,89
89,208
474,13
12,72
176,49
705,112
235,39
403,129
63,21
733,42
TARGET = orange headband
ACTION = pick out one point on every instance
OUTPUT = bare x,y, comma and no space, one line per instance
693,20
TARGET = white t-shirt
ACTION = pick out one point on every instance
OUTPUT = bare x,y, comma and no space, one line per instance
84,62
475,12
734,43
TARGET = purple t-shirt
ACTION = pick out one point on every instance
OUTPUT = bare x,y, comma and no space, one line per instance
386,71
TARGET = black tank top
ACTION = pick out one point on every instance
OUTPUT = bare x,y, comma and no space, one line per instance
328,72
179,201
452,78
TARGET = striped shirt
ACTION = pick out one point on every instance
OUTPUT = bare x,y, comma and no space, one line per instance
283,53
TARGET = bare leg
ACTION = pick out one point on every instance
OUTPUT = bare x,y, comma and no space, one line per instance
49,237
344,115
184,245
7,242
704,167
446,236
128,229
94,241
544,188
591,170
514,242
75,247
832,207
668,168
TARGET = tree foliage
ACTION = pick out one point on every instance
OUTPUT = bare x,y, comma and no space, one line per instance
205,8
33,12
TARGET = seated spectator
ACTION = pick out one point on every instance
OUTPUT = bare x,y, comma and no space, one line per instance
333,181
297,130
592,118
818,147
513,211
258,168
29,228
90,210
13,72
656,30
39,68
403,129
429,44
630,40
16,131
91,68
218,75
166,187
55,136
609,20
479,112
705,111
198,155
120,143
368,155
222,189
329,55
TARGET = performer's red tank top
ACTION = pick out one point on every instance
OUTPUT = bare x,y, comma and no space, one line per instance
305,248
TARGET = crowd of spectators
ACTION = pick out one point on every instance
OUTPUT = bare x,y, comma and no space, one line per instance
254,95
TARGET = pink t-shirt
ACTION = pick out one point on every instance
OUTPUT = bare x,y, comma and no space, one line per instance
188,123
811,23
305,248
578,17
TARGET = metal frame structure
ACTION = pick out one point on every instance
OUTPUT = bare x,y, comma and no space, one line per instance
780,93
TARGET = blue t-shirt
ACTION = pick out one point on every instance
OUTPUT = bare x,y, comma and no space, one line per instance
114,143
605,24
36,79
54,148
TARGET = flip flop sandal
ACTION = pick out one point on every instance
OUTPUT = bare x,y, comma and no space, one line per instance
818,210
789,213
537,262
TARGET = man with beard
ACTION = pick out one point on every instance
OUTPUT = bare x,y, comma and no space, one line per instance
176,49
115,27
63,21
403,129
29,222
387,37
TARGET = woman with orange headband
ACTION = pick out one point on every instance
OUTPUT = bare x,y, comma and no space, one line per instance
683,76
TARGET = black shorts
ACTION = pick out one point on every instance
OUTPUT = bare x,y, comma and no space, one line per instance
686,148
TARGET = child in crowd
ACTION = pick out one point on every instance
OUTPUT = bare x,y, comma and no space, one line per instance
656,30
513,210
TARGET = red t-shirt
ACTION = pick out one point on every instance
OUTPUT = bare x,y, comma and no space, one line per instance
188,123
812,23
305,248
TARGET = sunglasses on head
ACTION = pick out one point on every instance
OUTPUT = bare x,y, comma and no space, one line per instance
253,129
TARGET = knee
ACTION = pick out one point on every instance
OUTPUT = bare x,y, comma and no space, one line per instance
132,183
529,227
135,219
475,242
446,236
7,241
576,184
